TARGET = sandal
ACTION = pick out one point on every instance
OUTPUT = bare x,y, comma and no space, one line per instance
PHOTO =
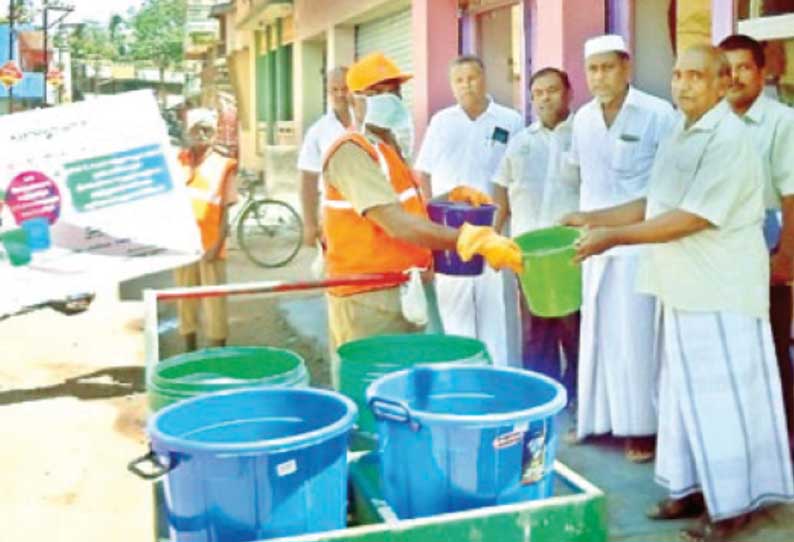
640,449
687,507
717,531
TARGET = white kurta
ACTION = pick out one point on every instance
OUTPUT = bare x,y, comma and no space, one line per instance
459,151
318,139
617,368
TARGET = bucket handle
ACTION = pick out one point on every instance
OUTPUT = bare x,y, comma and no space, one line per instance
158,470
396,411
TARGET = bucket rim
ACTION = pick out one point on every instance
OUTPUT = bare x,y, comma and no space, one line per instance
539,231
160,440
176,384
485,420
460,205
392,338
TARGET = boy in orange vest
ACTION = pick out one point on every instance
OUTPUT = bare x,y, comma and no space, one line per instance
210,183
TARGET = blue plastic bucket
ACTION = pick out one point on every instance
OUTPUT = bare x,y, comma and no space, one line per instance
246,464
457,437
454,214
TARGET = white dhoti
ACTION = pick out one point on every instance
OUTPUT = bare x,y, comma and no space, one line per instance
474,307
617,361
722,429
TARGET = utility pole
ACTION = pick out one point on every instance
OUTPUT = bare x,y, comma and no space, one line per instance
46,58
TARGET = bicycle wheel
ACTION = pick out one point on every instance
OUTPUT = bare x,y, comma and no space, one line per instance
270,232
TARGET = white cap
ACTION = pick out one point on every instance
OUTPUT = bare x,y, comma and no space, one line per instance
608,43
201,115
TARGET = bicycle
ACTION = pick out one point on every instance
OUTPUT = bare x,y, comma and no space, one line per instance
269,231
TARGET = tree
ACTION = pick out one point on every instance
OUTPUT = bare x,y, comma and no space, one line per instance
159,34
23,12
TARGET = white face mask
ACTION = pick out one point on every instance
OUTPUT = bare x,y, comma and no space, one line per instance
387,111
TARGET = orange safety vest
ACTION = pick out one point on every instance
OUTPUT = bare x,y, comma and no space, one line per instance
206,184
357,245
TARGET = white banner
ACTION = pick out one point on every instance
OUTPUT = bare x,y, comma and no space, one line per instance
89,193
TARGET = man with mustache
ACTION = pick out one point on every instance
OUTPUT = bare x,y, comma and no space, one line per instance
721,429
615,139
771,125
461,151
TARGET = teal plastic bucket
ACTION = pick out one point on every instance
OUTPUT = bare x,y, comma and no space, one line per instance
218,369
551,281
364,361
453,438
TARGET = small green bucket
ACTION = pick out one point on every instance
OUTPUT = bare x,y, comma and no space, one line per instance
16,246
551,281
219,369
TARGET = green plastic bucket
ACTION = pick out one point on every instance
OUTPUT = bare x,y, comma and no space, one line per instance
551,281
365,360
219,369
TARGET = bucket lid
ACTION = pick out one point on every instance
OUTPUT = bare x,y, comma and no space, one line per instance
223,405
384,388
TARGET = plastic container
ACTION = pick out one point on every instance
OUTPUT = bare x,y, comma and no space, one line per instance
218,369
38,232
551,281
364,361
454,438
251,464
454,214
16,246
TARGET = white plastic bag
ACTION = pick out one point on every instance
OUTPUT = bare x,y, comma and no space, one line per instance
318,265
412,298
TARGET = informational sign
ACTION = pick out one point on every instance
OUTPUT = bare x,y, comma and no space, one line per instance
89,192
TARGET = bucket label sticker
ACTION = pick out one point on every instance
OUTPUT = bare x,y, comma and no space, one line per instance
508,439
533,456
287,468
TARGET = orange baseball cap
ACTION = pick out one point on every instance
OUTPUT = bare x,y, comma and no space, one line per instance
373,69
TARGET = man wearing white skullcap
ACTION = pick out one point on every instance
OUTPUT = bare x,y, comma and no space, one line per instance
615,139
210,182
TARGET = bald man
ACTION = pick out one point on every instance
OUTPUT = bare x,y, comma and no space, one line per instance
318,139
722,436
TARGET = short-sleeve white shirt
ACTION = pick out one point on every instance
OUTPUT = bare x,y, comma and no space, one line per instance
460,151
711,170
615,162
318,139
771,127
531,171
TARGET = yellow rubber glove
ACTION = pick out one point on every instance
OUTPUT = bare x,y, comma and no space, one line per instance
498,251
469,195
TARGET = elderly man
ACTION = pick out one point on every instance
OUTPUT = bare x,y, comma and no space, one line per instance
375,219
771,125
533,191
463,147
722,432
210,181
319,138
615,139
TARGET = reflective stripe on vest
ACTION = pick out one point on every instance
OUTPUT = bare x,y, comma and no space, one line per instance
206,185
357,245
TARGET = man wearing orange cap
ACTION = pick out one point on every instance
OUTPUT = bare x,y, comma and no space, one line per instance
375,218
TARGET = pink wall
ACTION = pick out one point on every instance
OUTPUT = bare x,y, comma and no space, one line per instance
559,30
314,16
435,33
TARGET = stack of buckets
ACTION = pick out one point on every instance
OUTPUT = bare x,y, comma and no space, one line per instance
242,445
249,453
364,361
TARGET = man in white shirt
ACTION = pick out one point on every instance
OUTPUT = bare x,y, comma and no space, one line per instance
722,435
533,192
615,139
318,139
771,125
463,146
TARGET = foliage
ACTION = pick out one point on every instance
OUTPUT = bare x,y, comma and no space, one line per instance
91,41
23,13
159,32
